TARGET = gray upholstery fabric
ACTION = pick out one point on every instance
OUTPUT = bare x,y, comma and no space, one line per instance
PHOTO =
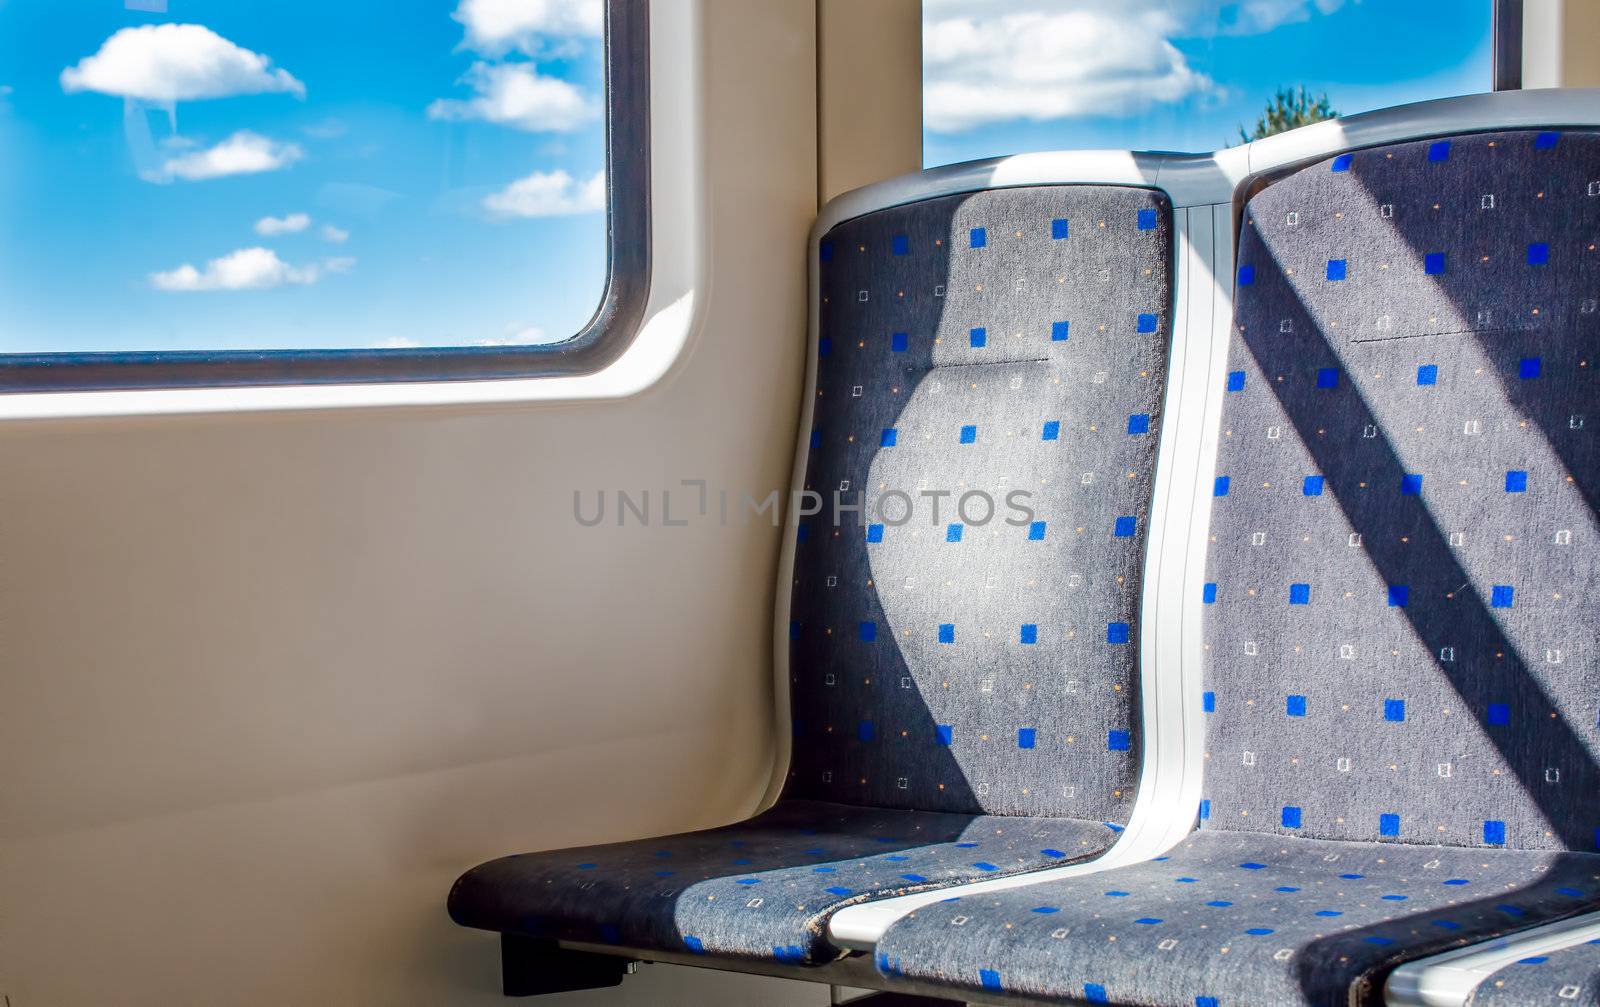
1440,683
762,888
1001,673
1231,918
1566,978
1401,601
945,672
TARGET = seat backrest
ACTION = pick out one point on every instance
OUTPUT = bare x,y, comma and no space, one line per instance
1007,348
1402,600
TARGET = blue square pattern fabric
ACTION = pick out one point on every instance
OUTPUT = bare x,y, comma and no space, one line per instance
1239,918
1447,651
1071,568
1424,725
1569,977
760,889
964,685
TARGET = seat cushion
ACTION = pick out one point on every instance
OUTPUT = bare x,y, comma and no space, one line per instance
1237,918
762,888
1566,978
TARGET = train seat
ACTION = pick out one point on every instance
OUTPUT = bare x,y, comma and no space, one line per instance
987,391
1399,604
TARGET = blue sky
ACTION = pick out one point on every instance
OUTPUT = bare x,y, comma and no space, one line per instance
197,174
368,174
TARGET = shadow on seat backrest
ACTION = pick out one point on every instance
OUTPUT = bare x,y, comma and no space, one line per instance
1008,350
1402,594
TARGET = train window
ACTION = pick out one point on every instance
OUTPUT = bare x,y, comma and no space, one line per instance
301,191
1008,76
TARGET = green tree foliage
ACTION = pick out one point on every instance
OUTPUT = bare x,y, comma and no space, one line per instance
1287,109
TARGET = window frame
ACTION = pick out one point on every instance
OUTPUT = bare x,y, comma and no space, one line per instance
1505,33
601,341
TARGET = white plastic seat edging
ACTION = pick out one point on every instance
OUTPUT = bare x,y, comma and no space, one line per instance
1447,980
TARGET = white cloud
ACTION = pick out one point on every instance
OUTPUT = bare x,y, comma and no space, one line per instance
548,194
293,223
516,335
327,129
1254,17
1182,18
243,153
516,94
336,235
347,198
1043,66
246,269
176,62
495,27
988,61
523,337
